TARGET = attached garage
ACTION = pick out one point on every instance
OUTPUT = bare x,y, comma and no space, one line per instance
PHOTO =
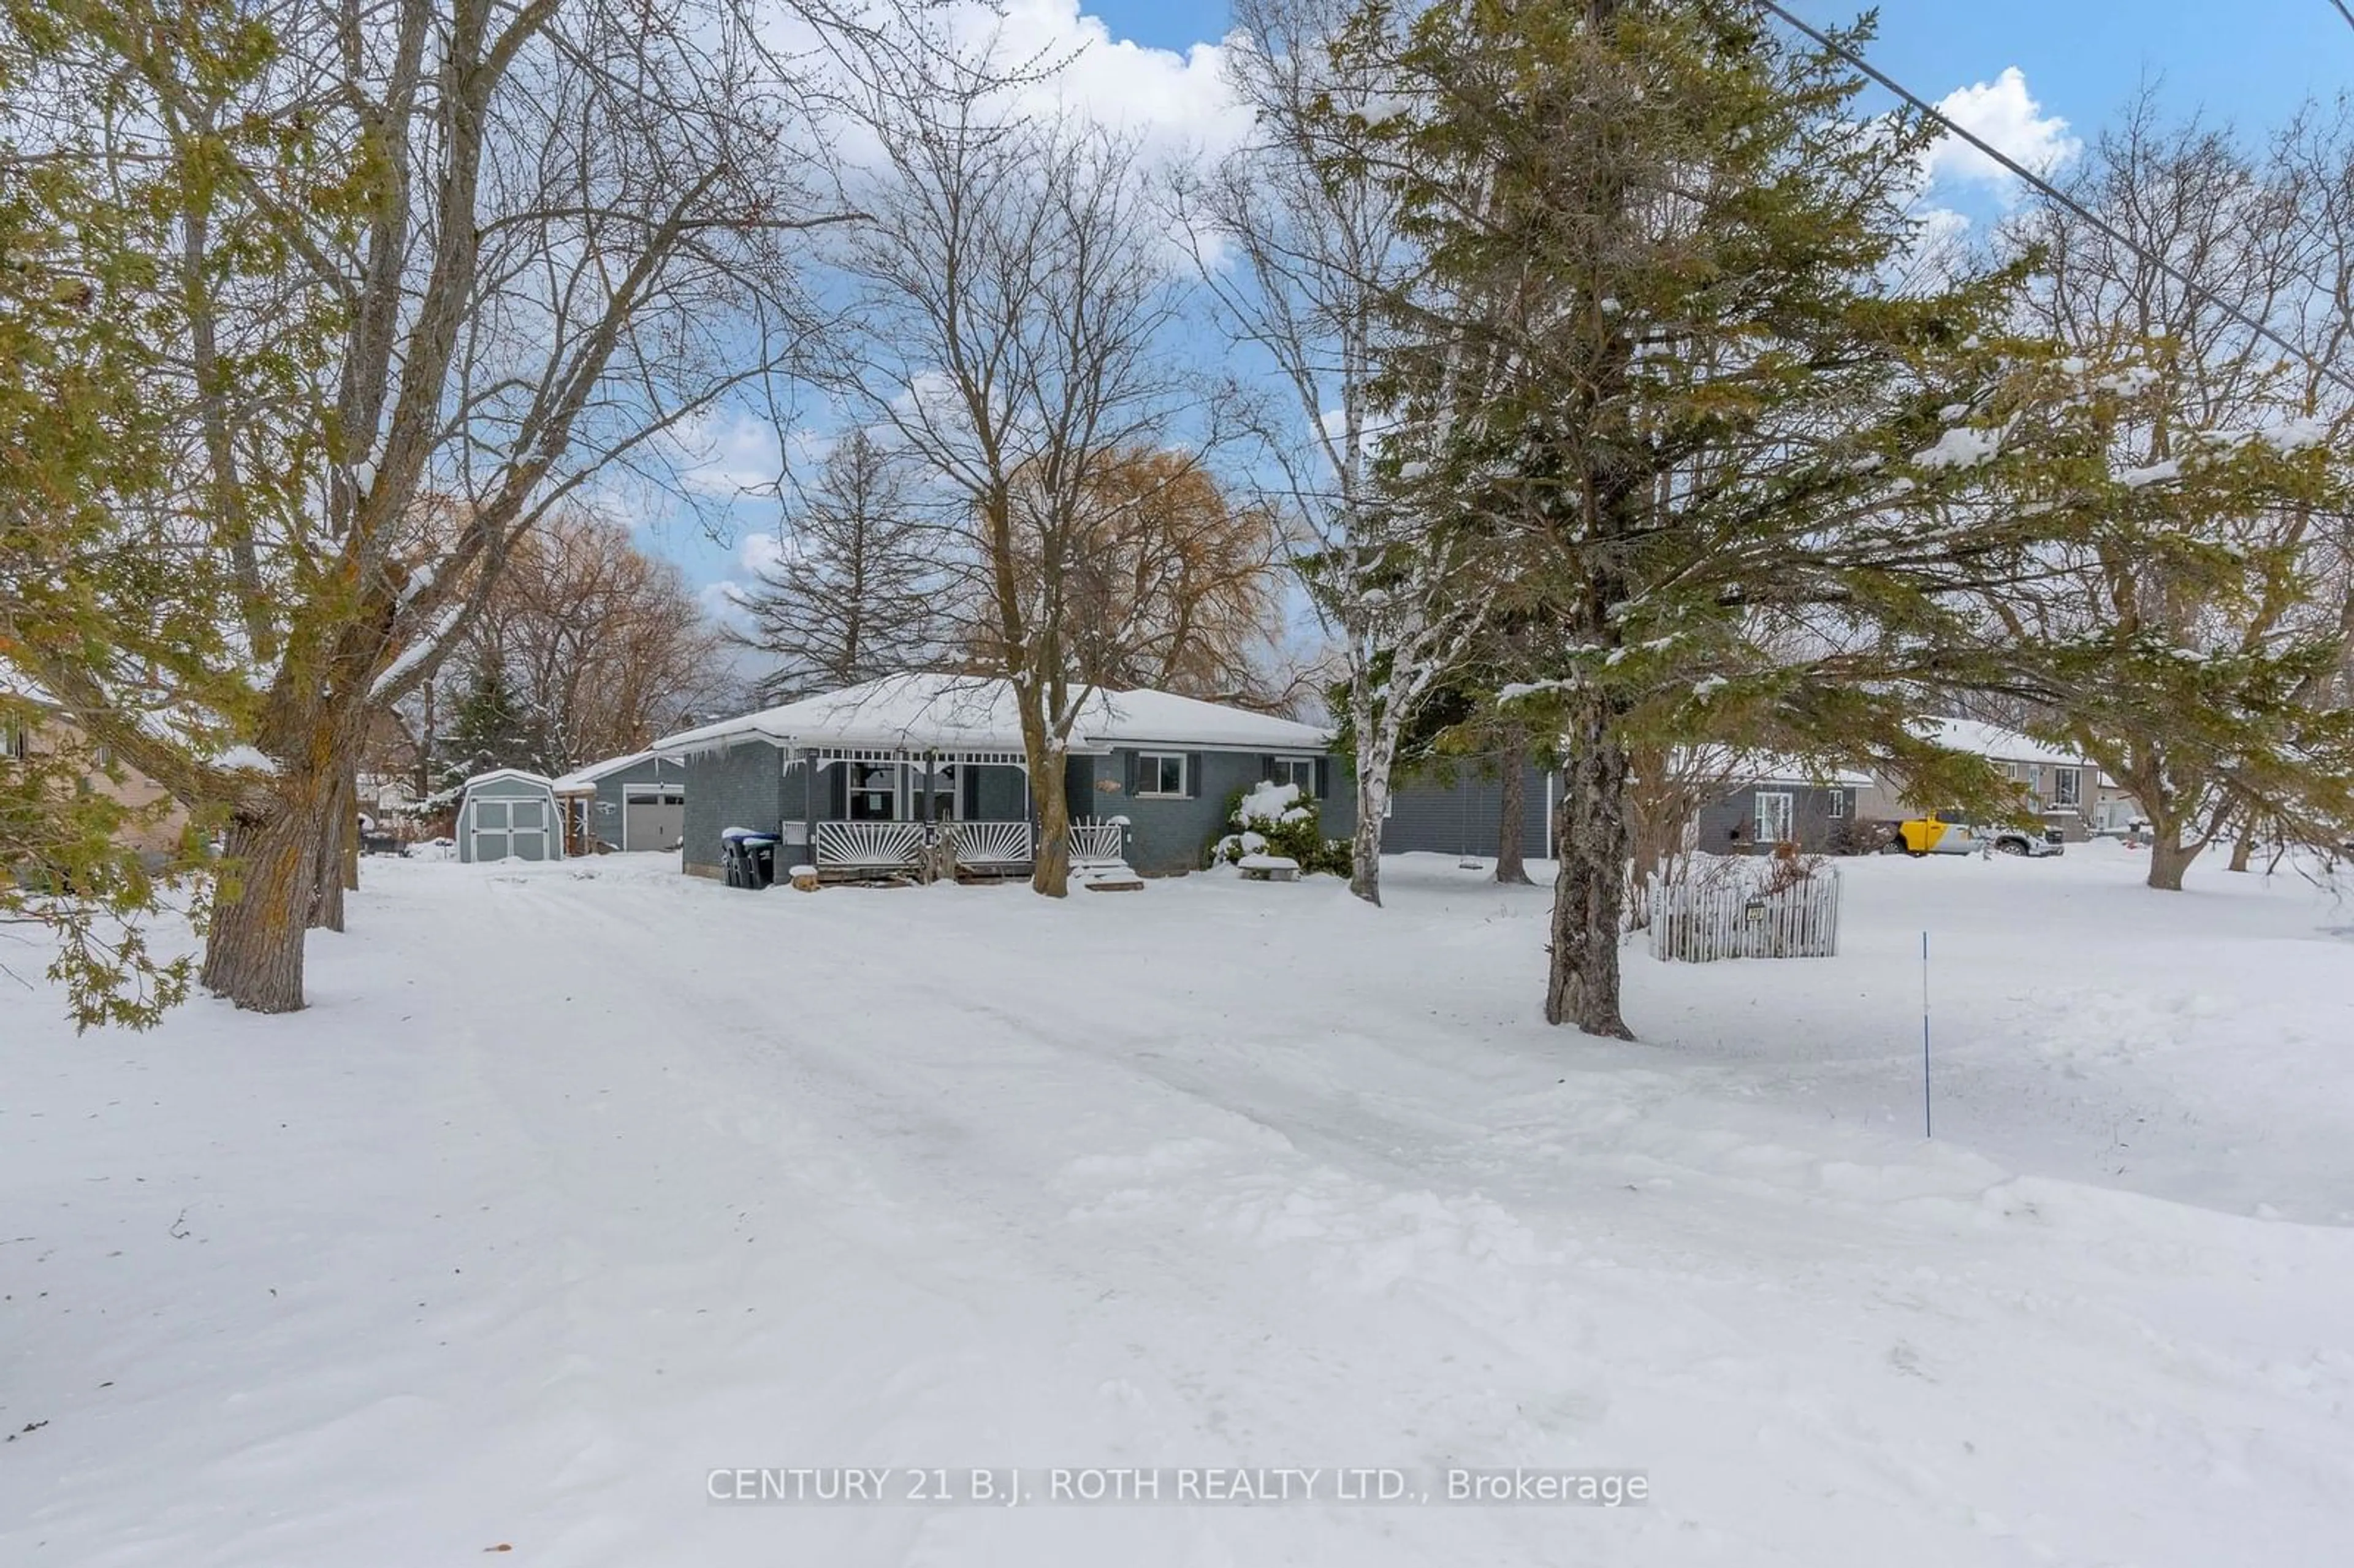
508,814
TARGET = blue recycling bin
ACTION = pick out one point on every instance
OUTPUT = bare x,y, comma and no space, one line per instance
747,858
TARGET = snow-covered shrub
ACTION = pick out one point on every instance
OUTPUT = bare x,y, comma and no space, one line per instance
1279,819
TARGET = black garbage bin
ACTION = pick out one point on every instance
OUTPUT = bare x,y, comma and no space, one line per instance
748,859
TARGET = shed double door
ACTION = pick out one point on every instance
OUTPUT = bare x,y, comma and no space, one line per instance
503,828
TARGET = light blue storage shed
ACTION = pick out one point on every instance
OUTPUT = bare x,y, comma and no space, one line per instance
508,813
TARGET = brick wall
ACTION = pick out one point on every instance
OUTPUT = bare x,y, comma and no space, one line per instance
742,786
1169,836
1459,810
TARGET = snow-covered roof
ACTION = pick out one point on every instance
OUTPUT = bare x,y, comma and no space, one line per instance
1772,768
527,777
1751,767
1993,741
15,683
583,781
974,713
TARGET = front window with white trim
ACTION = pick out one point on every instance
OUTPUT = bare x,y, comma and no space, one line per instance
1160,773
2067,786
1774,816
1298,770
1835,804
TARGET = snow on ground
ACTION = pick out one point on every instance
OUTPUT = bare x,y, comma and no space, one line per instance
578,1181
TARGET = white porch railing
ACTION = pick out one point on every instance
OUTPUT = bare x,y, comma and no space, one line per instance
1095,841
991,843
884,847
868,845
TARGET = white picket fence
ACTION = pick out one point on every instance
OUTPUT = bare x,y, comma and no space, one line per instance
1697,924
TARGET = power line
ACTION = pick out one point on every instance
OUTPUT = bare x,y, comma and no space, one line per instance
2052,191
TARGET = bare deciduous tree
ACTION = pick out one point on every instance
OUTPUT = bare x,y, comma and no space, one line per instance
602,646
1300,246
1169,586
1013,332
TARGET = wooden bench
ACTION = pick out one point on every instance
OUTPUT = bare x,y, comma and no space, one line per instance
1269,868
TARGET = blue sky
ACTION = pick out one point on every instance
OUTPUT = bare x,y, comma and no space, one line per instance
2074,63
2249,58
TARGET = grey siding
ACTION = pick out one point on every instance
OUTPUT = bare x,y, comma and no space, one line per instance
742,786
996,793
1459,810
1169,836
1730,826
605,810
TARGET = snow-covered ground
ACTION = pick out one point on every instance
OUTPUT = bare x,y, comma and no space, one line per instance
580,1182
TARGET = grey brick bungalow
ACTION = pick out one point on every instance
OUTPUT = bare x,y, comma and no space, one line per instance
854,781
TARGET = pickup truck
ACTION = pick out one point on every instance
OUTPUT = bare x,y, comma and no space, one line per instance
1919,836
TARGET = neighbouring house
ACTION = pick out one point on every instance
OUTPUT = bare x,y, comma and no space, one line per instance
1787,802
2063,786
631,803
2114,808
32,724
1455,806
508,814
856,782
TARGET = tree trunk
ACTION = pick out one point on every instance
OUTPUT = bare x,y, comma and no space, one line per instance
333,840
1589,892
1657,816
350,806
2243,849
1050,860
1373,803
1511,813
253,952
2170,857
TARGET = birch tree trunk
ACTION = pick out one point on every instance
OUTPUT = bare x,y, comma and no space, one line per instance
1373,804
1376,749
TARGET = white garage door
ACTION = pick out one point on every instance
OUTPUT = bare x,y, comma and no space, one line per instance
653,819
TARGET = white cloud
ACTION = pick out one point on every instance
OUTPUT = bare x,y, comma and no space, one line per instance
761,553
724,601
2007,116
1171,99
727,454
